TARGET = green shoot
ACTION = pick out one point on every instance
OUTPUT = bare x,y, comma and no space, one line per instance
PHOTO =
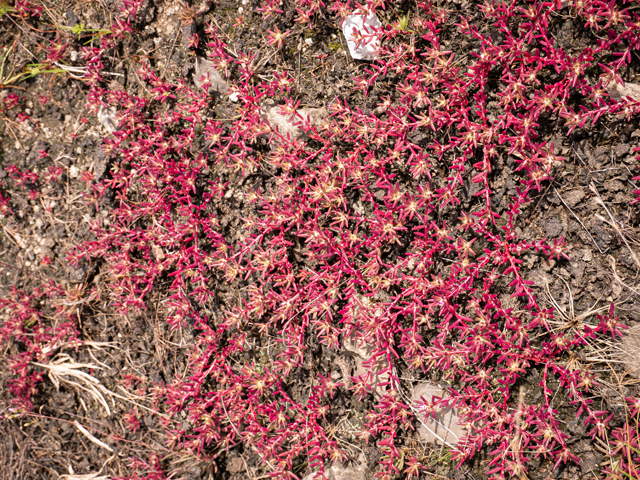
79,29
6,8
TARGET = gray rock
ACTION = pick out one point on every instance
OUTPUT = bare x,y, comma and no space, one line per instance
362,25
362,353
573,197
631,350
340,472
614,185
553,227
285,125
107,117
72,18
445,426
618,91
204,70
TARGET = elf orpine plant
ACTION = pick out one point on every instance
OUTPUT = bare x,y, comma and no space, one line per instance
38,337
361,232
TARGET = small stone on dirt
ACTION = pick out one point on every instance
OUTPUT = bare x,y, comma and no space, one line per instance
577,269
621,149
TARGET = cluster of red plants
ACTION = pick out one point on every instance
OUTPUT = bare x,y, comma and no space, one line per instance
361,231
38,333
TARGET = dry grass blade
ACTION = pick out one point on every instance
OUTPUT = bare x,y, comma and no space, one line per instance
91,438
616,276
570,319
579,221
613,223
8,79
615,355
87,476
630,351
65,371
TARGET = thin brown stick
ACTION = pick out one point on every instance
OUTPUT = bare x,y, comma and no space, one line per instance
579,221
613,223
515,443
13,134
175,40
117,438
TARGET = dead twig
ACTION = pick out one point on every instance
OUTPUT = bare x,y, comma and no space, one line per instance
613,223
91,438
515,443
64,369
579,221
175,40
